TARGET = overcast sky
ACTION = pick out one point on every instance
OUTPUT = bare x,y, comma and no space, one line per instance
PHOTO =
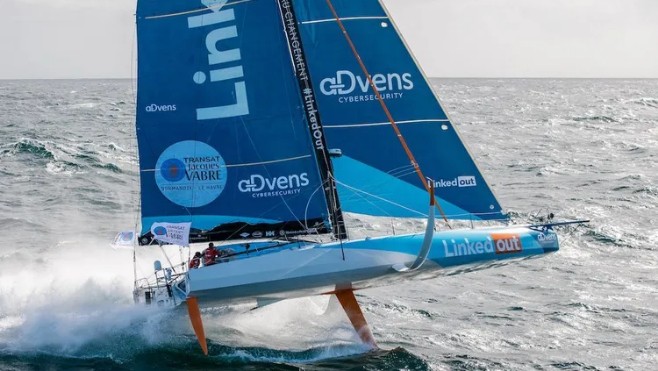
451,38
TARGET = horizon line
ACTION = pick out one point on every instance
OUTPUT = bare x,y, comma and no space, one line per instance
429,77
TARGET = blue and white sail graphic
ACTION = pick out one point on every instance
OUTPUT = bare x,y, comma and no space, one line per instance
223,140
374,174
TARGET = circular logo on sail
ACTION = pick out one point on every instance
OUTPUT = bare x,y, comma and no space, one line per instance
173,170
191,173
160,231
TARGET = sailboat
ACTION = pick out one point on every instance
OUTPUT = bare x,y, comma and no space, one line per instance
261,124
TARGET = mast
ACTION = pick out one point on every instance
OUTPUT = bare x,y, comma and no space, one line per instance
312,114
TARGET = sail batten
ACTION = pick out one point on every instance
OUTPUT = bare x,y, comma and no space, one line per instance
428,121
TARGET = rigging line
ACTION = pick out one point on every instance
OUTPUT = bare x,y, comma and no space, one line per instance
381,198
255,148
398,169
374,205
403,173
133,148
321,186
134,97
251,140
212,7
403,142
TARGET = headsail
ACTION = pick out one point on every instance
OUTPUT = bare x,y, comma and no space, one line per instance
374,174
223,139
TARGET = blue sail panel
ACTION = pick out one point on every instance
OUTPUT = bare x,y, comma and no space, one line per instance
356,123
223,141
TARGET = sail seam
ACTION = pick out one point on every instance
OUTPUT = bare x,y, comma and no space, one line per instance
214,7
328,126
343,19
269,162
252,163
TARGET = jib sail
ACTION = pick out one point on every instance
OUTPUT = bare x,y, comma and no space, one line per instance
374,173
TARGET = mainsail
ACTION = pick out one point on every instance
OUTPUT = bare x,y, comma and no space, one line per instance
224,142
374,174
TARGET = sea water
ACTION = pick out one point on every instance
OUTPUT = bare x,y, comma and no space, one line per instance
69,181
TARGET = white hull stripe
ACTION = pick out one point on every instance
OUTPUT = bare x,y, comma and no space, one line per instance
329,126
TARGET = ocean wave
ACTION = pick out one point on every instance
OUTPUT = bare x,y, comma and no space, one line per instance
66,158
187,357
109,166
64,168
33,147
605,119
18,223
647,190
647,102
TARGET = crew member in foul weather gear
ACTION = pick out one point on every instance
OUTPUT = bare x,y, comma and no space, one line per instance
209,255
195,262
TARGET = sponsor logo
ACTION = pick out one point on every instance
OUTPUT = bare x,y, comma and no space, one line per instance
270,234
163,108
298,232
260,186
257,234
126,236
222,65
177,233
245,234
499,243
191,173
461,182
173,170
547,239
352,88
160,231
463,248
507,243
301,72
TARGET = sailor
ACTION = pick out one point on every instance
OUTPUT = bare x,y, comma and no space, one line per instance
209,255
195,262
